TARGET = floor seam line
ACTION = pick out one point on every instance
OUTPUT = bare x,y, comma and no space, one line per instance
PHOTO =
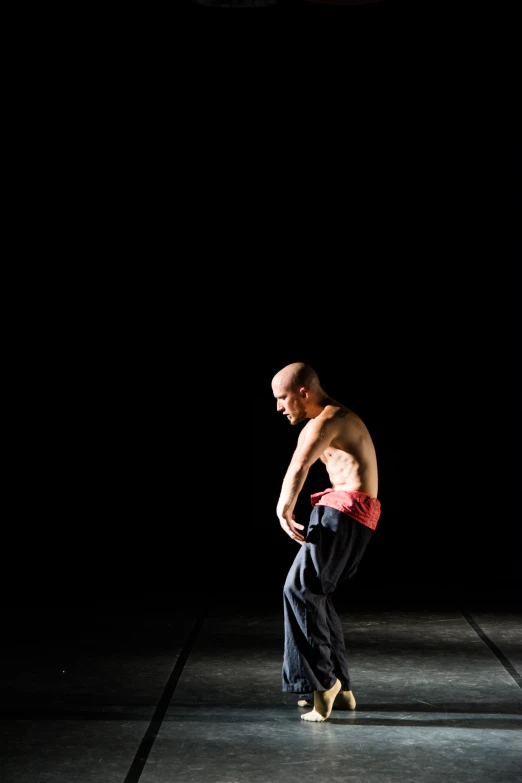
145,747
508,666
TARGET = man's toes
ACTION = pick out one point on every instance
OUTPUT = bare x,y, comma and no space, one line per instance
313,716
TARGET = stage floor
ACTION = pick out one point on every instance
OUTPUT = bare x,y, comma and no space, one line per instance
189,689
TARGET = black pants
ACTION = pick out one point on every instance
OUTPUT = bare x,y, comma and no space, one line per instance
314,652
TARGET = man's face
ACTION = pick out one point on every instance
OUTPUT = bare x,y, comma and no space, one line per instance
290,404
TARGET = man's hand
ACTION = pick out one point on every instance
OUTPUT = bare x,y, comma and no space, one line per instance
291,527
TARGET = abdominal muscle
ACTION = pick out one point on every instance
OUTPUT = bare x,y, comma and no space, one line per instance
350,474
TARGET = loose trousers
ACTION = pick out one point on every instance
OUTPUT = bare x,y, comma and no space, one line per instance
314,648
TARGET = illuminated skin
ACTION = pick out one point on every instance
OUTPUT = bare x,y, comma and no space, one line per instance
339,438
334,434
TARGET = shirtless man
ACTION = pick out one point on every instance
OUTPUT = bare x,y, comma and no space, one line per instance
342,521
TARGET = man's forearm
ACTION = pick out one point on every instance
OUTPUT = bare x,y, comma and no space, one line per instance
293,483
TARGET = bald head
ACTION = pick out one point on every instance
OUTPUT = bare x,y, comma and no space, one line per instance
298,392
295,375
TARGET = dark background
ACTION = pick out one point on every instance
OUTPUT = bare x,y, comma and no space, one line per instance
308,210
153,467
149,454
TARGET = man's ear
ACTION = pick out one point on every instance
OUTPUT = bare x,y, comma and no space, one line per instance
303,391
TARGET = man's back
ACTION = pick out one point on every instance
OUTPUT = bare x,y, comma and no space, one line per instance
350,457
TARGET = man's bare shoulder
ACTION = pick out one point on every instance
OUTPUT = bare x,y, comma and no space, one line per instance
335,411
339,417
332,419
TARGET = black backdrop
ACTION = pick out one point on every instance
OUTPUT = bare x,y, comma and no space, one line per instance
180,469
152,458
375,245
153,463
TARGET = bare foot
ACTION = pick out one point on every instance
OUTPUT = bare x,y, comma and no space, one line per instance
345,700
323,703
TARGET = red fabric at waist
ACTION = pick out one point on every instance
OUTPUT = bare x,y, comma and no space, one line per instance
357,505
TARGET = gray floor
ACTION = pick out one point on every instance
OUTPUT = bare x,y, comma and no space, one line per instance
151,693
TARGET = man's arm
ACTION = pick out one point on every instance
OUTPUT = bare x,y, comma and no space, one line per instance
313,440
